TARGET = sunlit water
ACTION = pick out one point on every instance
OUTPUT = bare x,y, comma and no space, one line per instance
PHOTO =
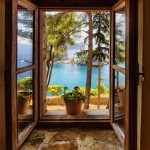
72,75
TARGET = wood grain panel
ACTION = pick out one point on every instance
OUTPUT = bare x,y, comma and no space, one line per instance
131,74
2,74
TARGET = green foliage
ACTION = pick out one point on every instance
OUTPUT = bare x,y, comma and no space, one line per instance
61,29
103,88
65,89
74,95
93,92
25,24
25,84
55,89
82,56
82,90
101,35
120,39
21,95
24,87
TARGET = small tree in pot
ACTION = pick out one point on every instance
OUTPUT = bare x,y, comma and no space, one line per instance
24,94
73,100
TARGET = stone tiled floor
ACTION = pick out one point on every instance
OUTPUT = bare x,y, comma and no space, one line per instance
72,139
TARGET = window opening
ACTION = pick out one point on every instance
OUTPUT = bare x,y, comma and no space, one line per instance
65,47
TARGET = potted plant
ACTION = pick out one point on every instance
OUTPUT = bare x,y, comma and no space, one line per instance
73,100
121,94
24,94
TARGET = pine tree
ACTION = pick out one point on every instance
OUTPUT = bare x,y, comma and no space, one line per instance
101,36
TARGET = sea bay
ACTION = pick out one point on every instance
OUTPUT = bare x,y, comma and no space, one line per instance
72,75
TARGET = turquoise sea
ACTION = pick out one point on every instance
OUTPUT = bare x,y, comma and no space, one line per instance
72,75
69,75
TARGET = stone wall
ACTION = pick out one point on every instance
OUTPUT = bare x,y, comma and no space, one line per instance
57,100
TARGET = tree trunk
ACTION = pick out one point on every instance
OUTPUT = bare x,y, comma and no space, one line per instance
43,47
99,82
48,61
89,63
50,71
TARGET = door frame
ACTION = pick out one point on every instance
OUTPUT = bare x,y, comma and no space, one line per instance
131,67
11,72
131,73
114,67
42,101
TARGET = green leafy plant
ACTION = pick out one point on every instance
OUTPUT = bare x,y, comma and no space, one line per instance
24,87
25,84
74,95
93,92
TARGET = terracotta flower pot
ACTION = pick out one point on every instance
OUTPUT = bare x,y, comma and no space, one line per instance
122,99
73,107
24,104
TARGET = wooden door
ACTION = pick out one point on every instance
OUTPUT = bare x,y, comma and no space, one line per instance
118,65
21,72
124,73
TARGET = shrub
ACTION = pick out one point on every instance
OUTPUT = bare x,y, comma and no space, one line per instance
103,88
93,91
24,87
55,89
25,84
